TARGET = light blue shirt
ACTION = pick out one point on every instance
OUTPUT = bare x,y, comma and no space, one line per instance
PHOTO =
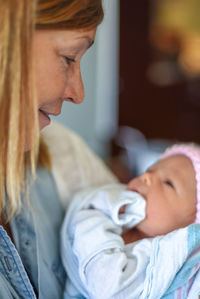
32,267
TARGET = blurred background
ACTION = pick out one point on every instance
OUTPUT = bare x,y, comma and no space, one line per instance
142,83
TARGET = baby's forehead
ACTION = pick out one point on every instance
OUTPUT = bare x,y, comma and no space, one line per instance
174,164
179,168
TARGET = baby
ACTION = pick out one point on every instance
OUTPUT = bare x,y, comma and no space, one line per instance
101,250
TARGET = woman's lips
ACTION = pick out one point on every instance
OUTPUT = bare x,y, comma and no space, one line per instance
44,119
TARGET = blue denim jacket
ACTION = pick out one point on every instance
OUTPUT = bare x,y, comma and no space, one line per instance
32,267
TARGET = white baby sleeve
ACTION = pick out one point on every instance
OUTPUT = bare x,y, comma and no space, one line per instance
107,267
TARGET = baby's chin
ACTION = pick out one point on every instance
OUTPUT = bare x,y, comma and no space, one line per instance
148,231
141,232
151,231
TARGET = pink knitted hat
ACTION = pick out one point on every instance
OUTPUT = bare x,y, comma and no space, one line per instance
193,153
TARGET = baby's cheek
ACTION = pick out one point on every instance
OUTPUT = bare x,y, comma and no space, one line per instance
189,218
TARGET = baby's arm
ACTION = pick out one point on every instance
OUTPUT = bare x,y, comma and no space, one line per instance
107,267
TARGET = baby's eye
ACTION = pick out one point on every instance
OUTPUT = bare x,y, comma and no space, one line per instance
169,183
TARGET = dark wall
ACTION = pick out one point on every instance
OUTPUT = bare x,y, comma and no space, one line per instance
171,111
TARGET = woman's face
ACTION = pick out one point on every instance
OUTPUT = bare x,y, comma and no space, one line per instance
57,55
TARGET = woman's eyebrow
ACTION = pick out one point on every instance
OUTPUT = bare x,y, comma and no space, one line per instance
90,41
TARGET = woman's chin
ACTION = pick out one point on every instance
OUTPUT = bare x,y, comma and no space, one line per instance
44,120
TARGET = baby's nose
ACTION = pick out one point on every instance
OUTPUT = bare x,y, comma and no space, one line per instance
146,178
140,184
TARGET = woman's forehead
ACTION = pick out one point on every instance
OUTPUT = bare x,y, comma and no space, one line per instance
64,38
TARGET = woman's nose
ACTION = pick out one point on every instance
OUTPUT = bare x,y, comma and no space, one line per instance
74,91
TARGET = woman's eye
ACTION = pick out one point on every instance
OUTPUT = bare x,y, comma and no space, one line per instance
69,60
169,183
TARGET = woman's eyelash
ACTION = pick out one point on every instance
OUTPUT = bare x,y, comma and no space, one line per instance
168,182
69,60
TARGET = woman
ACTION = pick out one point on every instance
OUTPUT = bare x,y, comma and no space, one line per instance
41,45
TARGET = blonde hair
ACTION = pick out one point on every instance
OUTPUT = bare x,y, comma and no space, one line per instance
18,102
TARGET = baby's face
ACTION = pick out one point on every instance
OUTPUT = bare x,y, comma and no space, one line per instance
169,188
